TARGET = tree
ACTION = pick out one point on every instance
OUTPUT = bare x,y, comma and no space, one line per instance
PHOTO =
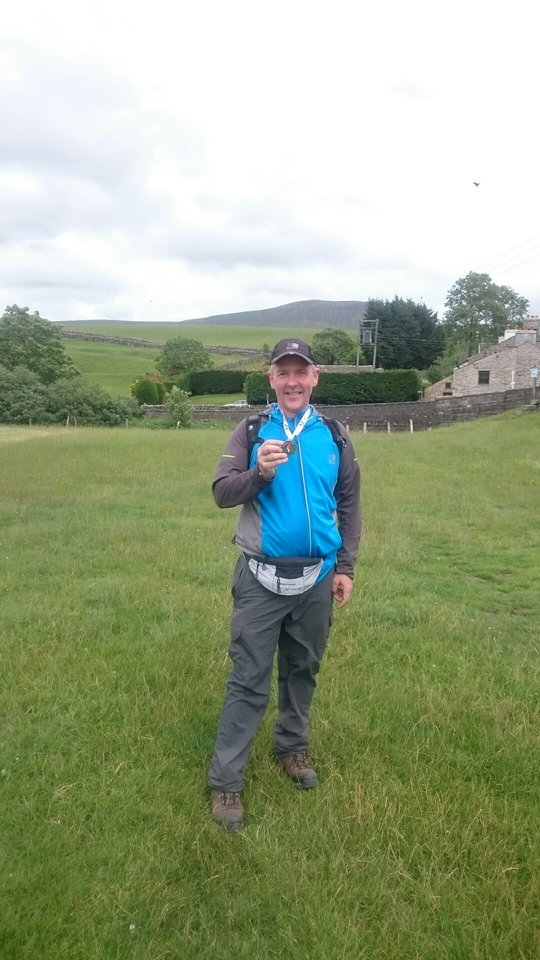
480,310
181,355
334,346
409,335
454,354
28,340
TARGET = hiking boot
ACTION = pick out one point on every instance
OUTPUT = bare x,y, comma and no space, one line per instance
302,775
227,809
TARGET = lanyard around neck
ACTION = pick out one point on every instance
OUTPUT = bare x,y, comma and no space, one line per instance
291,434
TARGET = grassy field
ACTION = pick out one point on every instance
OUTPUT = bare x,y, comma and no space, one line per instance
114,367
218,335
423,839
109,365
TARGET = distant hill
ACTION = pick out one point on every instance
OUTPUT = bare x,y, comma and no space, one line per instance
303,313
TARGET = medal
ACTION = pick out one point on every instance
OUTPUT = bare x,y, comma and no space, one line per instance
288,447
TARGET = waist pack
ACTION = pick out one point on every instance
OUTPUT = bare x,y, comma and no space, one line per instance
288,576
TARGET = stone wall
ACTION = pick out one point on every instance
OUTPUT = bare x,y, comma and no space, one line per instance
383,416
104,338
247,352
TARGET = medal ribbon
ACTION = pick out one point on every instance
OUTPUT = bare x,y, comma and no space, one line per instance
291,434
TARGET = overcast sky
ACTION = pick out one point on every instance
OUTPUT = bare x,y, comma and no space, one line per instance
168,161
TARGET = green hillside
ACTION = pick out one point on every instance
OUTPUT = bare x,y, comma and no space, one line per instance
110,365
114,366
226,335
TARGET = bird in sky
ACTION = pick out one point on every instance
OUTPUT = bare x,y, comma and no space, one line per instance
476,183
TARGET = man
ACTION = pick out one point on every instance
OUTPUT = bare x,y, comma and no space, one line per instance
298,482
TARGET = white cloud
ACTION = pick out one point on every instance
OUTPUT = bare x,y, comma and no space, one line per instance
182,160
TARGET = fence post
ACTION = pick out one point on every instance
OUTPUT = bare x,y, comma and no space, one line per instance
388,426
411,426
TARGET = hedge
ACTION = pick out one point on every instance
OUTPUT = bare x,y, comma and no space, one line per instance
391,386
217,381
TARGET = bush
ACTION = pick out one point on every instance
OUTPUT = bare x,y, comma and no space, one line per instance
85,403
179,406
22,396
391,386
146,391
160,387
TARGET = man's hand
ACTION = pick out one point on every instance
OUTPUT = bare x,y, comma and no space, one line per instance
341,589
269,456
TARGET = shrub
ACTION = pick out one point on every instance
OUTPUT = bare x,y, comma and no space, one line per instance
160,387
391,386
180,407
182,381
22,396
146,391
86,403
217,381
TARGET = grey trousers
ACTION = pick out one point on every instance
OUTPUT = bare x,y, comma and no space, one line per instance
261,623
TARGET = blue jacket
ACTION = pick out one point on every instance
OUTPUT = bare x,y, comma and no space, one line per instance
310,508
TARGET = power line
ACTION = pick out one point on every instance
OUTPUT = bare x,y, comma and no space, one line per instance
396,338
511,257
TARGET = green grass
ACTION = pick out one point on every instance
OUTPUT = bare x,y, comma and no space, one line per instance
217,335
218,398
114,367
110,365
422,840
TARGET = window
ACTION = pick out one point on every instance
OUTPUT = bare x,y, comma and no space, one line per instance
483,377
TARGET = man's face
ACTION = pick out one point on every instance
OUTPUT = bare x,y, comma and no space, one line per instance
293,380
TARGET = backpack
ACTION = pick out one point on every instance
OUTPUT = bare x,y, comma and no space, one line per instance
254,422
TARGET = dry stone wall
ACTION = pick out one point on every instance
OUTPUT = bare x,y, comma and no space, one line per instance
423,414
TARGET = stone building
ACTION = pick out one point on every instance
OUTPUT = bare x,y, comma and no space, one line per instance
505,366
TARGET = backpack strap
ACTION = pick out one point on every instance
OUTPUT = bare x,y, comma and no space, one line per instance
253,424
337,436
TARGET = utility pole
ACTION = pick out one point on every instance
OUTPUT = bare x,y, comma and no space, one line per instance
375,345
360,324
